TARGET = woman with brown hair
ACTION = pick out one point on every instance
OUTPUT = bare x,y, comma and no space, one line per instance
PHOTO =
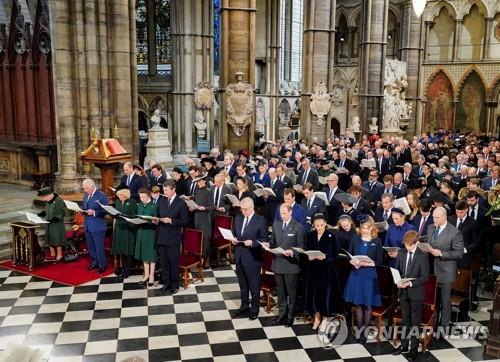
362,285
414,203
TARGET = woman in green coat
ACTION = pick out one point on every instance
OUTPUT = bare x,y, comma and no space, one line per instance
55,233
124,232
145,246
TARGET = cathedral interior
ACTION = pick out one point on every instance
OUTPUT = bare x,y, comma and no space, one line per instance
71,71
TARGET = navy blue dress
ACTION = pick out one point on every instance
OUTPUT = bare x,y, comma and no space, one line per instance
362,285
394,237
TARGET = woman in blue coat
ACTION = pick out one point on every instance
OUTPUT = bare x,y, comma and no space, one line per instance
362,285
396,232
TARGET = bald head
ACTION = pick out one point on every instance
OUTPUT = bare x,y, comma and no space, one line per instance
439,215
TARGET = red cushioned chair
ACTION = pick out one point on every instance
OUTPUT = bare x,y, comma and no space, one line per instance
218,242
428,320
191,256
267,281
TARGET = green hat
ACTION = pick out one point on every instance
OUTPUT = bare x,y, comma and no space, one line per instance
44,191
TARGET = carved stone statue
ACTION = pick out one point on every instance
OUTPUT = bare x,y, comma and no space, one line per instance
239,105
355,125
374,125
395,107
320,102
260,116
155,120
200,124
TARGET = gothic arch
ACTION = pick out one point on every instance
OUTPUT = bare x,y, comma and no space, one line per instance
154,105
439,104
465,8
494,90
397,13
434,11
353,19
341,11
471,107
435,73
472,69
142,103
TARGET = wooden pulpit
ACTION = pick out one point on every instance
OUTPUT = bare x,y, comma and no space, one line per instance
106,154
26,249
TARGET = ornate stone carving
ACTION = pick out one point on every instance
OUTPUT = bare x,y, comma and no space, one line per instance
260,115
374,125
203,96
289,88
355,125
200,124
155,120
320,102
395,106
337,94
239,104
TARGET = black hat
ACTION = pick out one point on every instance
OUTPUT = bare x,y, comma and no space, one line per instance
202,177
209,159
416,184
122,187
397,210
345,198
177,170
439,197
324,162
44,191
319,216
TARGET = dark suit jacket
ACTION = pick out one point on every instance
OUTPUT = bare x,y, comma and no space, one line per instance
386,167
363,207
157,182
97,222
345,179
451,244
171,234
381,190
299,214
334,207
472,236
379,215
223,202
135,185
188,183
287,182
318,207
418,269
256,230
292,236
487,182
278,188
312,178
416,222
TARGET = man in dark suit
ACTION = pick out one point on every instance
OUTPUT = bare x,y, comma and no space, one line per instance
476,211
157,178
230,165
408,175
447,247
299,214
400,185
313,204
218,192
387,188
383,164
272,202
411,262
344,177
384,210
331,190
172,215
242,171
491,181
467,227
131,180
424,217
361,205
94,224
191,187
250,230
281,172
418,171
308,174
286,234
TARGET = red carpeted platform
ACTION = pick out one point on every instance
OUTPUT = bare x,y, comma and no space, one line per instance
74,273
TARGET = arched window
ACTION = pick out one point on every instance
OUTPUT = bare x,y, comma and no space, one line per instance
153,43
291,32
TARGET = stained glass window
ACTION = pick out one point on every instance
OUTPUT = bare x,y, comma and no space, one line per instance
163,40
291,29
216,36
142,36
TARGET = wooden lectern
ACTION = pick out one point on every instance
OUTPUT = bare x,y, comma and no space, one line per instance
106,154
26,249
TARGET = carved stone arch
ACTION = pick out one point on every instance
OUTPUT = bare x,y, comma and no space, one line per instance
448,75
284,113
20,30
494,10
341,11
143,104
494,89
439,103
160,103
434,11
471,106
465,8
354,17
472,69
397,13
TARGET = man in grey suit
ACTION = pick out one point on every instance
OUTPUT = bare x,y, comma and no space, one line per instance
286,234
447,248
218,192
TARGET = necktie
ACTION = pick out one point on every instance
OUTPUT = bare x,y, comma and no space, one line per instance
471,213
192,188
410,255
216,201
437,233
272,183
371,185
245,224
386,215
341,163
330,195
128,180
154,201
309,204
493,183
284,226
380,166
168,202
387,191
304,178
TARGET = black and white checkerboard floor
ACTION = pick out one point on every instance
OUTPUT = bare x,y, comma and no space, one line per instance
107,320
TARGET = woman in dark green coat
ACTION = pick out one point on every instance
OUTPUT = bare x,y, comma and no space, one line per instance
124,232
55,233
145,246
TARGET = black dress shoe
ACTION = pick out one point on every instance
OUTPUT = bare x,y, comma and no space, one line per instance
411,356
253,316
143,282
151,284
91,267
166,288
289,323
172,291
400,349
240,313
101,271
278,321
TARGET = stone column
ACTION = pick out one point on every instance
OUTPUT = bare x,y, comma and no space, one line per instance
317,62
273,66
350,39
372,65
411,53
487,38
95,80
456,38
428,27
192,49
237,55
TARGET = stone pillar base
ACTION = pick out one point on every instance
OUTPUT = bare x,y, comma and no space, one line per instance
391,132
158,147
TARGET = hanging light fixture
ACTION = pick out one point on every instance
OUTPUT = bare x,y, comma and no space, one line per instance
419,6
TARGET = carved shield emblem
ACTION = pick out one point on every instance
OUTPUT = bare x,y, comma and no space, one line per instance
239,104
320,102
203,96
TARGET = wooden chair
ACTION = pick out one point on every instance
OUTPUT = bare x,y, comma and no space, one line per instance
461,290
218,242
267,281
387,292
191,256
428,319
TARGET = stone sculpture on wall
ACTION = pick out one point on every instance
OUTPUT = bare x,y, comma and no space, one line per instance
260,115
203,96
395,106
320,102
239,104
289,88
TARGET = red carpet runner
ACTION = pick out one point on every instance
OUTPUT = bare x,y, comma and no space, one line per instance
74,273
